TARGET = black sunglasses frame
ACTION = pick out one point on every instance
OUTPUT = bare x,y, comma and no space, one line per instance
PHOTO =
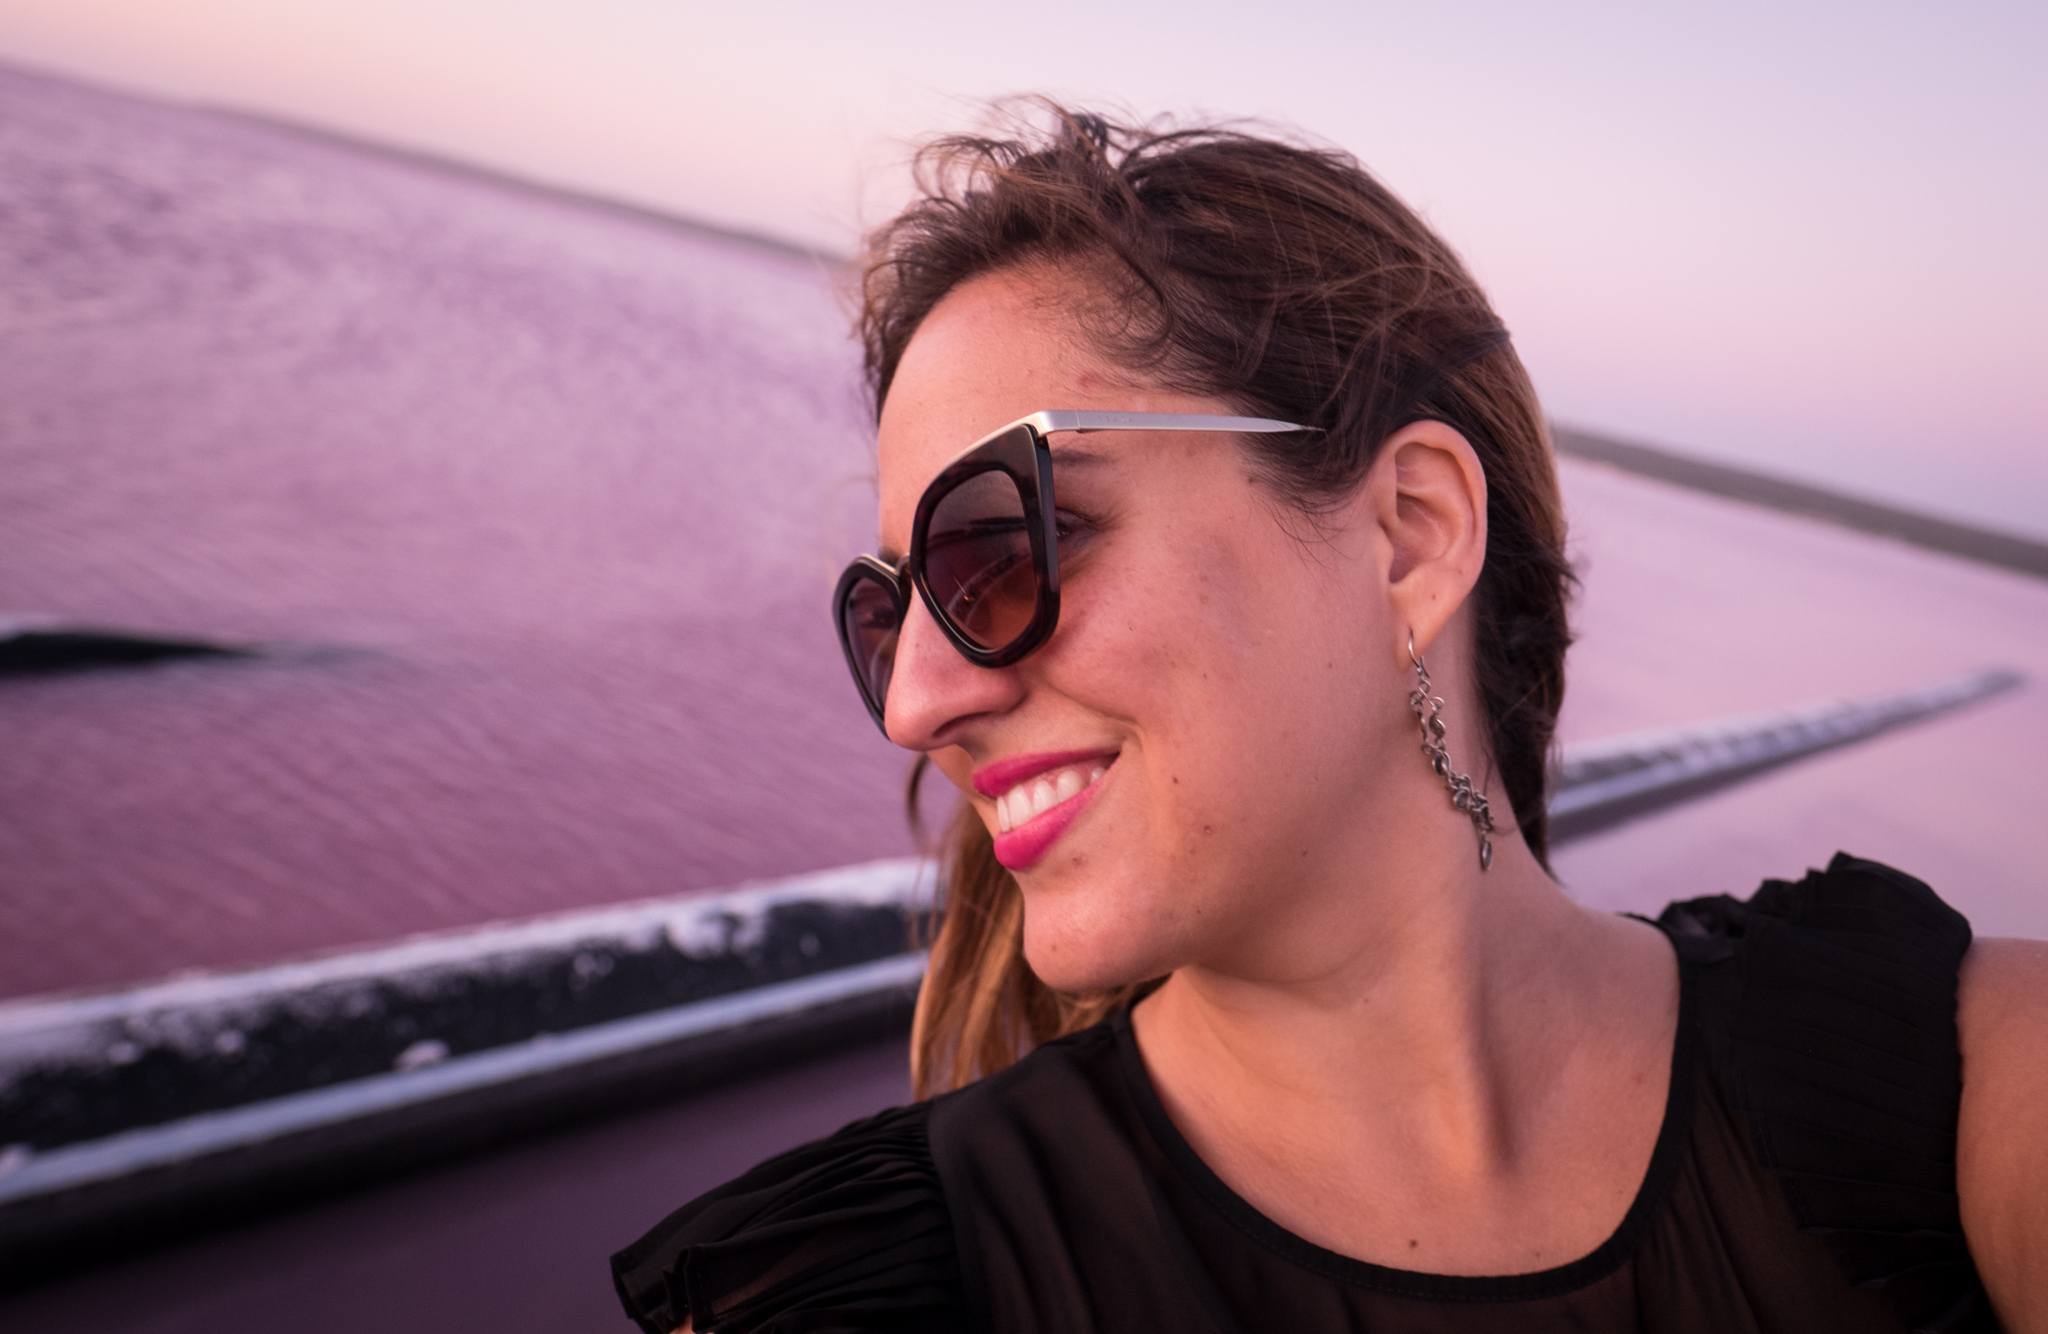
1019,450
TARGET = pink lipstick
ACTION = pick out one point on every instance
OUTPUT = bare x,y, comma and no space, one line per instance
992,780
1024,846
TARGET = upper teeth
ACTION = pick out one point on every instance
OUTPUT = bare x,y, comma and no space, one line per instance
1031,797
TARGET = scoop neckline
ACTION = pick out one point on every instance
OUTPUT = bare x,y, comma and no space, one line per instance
1597,1263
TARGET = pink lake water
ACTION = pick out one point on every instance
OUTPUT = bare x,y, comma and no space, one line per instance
539,502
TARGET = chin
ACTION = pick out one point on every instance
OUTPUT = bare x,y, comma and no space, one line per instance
1081,962
1086,982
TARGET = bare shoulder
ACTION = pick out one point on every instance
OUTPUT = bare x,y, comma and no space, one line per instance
2002,1135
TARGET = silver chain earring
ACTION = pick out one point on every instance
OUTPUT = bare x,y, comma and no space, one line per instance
1432,723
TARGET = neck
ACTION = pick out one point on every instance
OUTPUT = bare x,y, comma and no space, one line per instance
1426,1018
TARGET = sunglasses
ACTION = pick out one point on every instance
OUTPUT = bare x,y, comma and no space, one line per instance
984,549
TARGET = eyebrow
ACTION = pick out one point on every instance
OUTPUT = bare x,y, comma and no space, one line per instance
1073,456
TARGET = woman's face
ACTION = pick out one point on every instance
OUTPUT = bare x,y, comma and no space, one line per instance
1246,681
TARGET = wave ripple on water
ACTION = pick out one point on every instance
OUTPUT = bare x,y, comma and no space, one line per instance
539,501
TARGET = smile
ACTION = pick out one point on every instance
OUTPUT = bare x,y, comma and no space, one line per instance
1035,812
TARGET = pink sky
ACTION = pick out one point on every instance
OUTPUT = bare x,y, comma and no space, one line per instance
1805,240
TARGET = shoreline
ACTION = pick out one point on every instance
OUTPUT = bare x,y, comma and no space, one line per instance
435,160
1986,545
1977,542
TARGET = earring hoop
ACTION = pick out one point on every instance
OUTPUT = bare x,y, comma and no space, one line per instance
1463,797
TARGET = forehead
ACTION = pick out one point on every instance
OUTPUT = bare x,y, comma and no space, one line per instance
996,348
992,350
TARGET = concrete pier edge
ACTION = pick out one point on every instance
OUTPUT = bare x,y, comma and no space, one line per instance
154,1110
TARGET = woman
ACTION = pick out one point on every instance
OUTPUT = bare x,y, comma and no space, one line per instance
1248,1012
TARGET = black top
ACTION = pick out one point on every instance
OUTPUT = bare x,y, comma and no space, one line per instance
1803,1178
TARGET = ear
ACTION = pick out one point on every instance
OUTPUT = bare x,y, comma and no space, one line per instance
1429,498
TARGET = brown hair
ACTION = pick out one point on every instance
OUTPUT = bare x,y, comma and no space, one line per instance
1285,280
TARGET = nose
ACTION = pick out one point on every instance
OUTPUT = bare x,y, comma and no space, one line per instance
932,685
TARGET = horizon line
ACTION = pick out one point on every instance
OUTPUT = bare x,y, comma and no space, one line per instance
1974,540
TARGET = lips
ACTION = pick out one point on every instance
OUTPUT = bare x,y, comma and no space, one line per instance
992,780
1024,846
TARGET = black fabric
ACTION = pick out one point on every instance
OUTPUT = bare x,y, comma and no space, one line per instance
1803,1177
848,1232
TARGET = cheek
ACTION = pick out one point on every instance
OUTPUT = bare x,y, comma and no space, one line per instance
1251,685
1170,640
1185,652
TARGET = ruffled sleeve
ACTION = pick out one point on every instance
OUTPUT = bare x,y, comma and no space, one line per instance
845,1233
1838,1045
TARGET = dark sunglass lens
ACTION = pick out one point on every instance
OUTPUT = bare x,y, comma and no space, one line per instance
977,559
871,622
